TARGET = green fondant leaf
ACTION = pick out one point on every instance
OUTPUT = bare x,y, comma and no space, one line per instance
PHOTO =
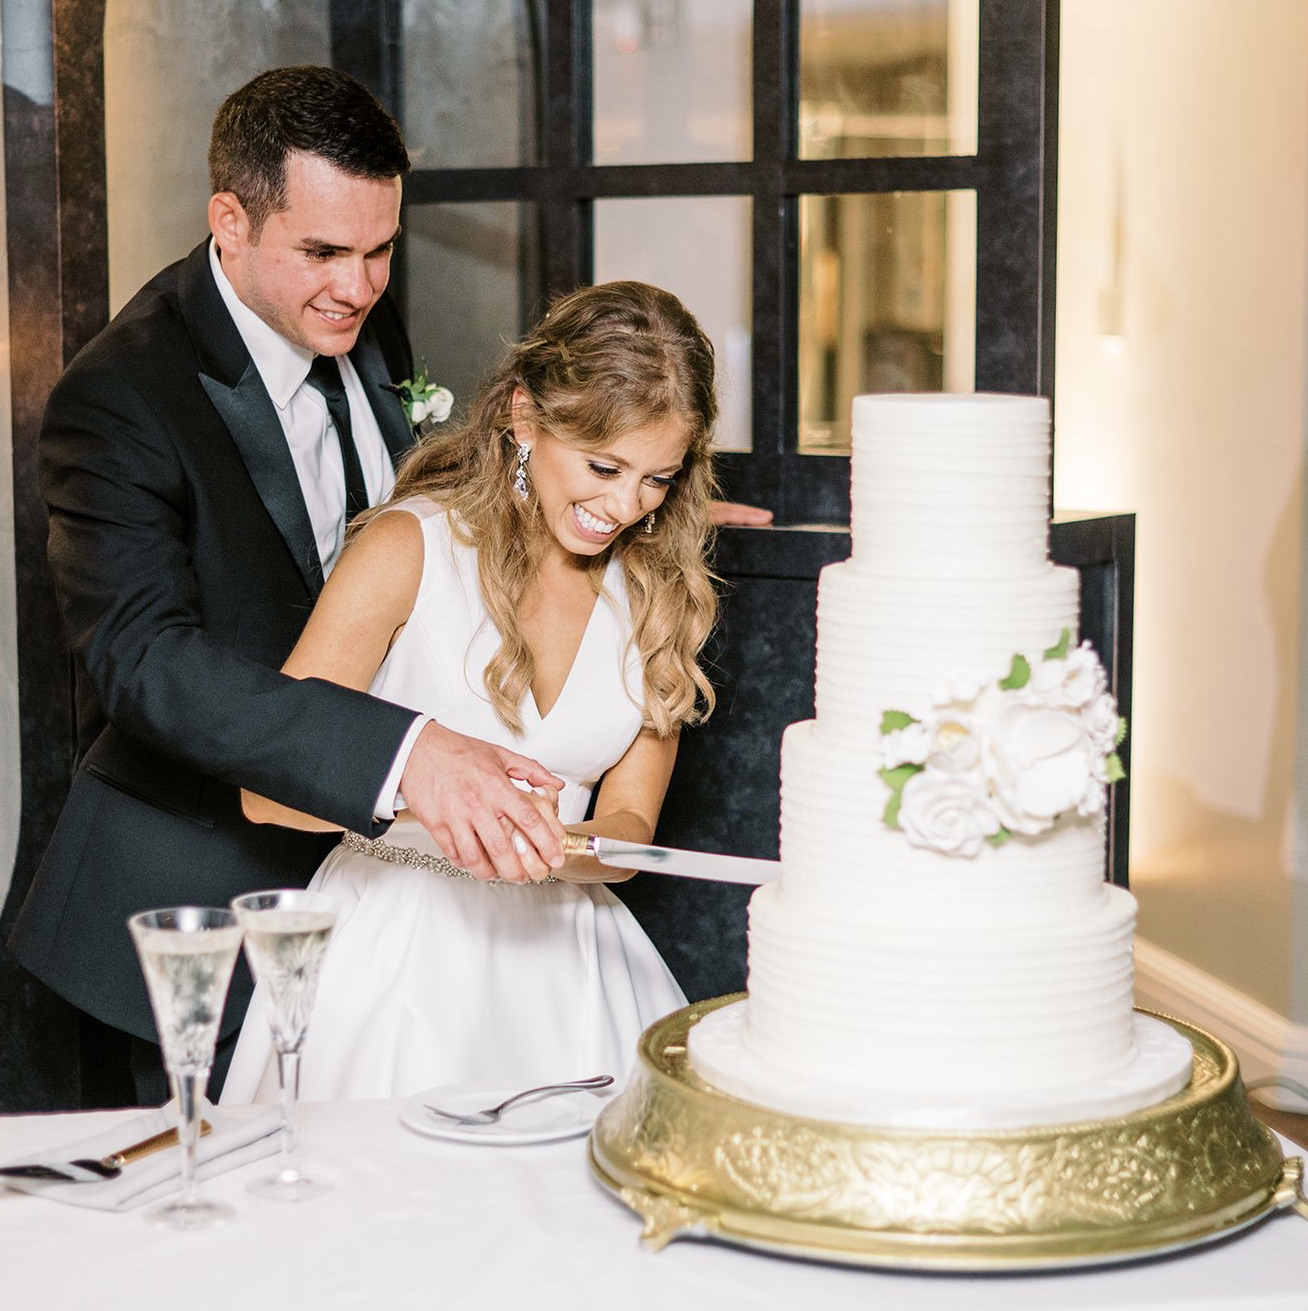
1121,732
1019,675
893,719
890,816
1060,648
1113,770
895,778
998,839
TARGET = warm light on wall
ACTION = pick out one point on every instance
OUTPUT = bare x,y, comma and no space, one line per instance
1112,336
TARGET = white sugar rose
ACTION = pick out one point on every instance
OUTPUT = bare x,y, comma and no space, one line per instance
949,813
1040,762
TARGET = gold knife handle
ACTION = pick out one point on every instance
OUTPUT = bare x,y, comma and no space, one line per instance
147,1146
578,844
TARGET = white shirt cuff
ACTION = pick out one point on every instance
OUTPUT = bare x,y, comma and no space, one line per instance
389,800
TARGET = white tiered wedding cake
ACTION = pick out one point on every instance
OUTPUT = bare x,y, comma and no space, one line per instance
941,948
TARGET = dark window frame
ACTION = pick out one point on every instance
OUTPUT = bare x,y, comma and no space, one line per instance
1013,173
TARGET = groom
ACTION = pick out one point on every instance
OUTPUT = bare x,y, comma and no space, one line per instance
199,459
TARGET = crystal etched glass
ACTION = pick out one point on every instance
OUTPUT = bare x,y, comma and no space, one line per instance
187,954
286,937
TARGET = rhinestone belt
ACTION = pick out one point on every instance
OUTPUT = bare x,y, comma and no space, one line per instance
380,850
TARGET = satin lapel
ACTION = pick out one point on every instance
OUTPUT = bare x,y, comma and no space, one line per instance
254,427
369,364
232,383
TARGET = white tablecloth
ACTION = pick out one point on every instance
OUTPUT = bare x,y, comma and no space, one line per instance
419,1223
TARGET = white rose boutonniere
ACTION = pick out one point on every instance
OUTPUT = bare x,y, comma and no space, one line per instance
425,402
1009,756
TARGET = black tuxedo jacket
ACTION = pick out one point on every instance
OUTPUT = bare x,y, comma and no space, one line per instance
185,566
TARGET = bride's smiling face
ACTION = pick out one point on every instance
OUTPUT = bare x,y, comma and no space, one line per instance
588,496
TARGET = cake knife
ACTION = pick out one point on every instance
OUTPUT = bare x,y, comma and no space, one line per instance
670,860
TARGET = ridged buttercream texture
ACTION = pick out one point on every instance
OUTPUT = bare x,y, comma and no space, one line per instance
891,968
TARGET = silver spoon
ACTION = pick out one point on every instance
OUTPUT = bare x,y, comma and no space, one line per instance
493,1113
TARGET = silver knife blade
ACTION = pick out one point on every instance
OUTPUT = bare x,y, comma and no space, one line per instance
671,860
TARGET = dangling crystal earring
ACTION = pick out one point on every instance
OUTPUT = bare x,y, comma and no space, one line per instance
649,523
520,472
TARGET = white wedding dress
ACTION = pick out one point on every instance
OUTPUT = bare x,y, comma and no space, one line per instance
432,979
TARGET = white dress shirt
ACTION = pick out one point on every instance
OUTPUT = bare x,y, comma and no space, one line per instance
302,411
316,451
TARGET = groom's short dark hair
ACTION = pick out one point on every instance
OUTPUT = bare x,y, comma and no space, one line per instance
320,111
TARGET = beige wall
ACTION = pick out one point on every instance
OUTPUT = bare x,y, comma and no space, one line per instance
1183,181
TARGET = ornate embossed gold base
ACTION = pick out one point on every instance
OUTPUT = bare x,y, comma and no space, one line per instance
691,1160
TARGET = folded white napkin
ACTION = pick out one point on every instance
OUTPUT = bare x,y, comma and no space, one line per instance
240,1134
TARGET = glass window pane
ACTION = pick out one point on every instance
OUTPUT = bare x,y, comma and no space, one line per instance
470,78
672,81
471,285
887,77
699,249
887,302
167,68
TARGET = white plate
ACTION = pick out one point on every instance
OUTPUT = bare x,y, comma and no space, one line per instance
537,1120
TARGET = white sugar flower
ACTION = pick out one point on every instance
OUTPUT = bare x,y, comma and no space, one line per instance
1074,681
909,745
961,690
955,749
1012,755
1039,762
949,813
1103,722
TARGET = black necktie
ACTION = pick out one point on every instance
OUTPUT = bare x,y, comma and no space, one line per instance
325,377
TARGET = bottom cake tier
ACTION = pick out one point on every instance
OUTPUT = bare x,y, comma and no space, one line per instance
1159,1065
693,1160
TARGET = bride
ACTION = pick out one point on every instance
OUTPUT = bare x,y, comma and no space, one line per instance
537,579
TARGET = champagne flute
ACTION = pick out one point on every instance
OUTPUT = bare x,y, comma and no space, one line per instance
187,955
286,936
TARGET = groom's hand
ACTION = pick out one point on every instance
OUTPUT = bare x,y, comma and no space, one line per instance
461,789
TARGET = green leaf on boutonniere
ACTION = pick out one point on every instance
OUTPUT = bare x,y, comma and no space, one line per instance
1019,674
1113,770
895,719
1060,648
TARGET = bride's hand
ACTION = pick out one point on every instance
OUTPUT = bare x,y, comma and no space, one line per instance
546,800
550,794
467,795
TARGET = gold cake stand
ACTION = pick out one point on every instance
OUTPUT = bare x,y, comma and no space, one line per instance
693,1161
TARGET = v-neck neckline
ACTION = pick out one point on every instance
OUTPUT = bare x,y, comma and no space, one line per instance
577,655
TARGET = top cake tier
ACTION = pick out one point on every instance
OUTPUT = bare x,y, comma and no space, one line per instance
950,485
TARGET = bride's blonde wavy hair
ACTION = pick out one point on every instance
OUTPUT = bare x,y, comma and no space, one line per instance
603,361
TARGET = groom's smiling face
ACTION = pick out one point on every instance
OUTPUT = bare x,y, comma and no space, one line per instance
319,265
